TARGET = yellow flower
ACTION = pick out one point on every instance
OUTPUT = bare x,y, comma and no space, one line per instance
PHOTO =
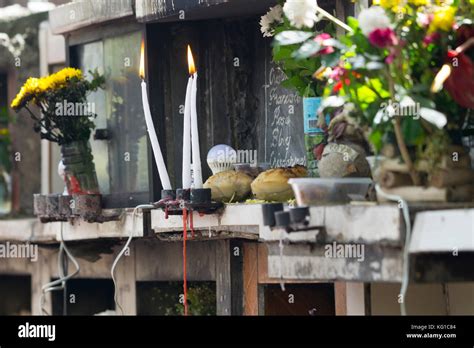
34,87
396,6
443,19
388,4
419,2
18,99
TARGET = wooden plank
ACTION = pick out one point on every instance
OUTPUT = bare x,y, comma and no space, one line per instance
340,298
236,275
309,262
349,298
355,298
41,275
250,278
79,14
223,281
126,283
229,279
172,10
340,14
262,263
167,264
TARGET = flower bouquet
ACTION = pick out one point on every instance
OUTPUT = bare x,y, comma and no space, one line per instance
401,76
291,23
65,117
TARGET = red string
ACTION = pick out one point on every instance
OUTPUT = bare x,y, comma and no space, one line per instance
185,237
191,223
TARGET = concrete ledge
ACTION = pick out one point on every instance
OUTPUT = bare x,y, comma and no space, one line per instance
79,14
33,230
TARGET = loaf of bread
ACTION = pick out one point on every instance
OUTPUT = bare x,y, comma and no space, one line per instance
272,184
229,186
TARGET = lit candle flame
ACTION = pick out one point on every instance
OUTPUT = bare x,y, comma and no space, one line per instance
142,60
191,66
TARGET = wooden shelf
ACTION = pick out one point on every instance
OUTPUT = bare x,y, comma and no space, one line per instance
234,221
32,230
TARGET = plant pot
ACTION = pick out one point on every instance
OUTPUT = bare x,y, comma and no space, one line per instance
79,168
88,207
313,135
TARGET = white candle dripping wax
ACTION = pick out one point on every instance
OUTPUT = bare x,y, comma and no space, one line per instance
160,162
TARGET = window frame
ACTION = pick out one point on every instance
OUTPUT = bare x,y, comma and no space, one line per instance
100,32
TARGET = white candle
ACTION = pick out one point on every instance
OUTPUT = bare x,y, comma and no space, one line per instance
197,173
160,162
186,170
155,145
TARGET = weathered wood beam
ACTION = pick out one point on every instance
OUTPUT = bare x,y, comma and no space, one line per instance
229,278
172,10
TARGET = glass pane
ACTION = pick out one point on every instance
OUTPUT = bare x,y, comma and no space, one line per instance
122,161
128,156
90,57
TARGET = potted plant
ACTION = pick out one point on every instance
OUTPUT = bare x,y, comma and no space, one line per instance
65,117
403,73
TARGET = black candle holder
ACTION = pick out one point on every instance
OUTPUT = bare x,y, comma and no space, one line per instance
200,196
299,215
269,211
199,200
183,194
168,195
282,219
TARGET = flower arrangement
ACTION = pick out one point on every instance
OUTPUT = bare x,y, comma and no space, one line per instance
55,93
279,22
404,70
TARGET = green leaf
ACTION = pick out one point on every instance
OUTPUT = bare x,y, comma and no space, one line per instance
352,22
281,52
330,60
292,37
376,139
307,50
412,131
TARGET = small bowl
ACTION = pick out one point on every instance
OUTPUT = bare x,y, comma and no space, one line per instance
318,191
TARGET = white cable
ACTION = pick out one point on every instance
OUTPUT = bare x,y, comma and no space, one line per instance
63,278
280,245
124,249
406,217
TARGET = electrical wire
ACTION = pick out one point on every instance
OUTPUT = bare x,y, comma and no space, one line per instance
280,245
124,249
405,269
60,283
185,278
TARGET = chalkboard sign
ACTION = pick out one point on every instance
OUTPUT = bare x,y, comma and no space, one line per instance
283,129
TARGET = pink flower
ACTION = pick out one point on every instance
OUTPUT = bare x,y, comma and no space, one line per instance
383,37
337,73
320,39
390,58
430,38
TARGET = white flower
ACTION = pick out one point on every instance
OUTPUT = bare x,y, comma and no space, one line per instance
301,13
373,18
274,15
